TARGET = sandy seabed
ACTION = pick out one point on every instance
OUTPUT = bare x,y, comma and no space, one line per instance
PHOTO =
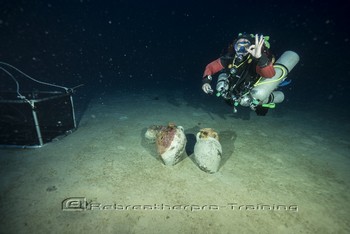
287,172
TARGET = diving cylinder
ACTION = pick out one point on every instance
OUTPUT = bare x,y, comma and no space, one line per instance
275,97
264,87
222,85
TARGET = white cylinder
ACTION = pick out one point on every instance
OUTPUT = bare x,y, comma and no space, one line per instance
264,87
288,59
275,97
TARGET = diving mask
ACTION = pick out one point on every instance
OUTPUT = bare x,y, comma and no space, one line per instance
242,46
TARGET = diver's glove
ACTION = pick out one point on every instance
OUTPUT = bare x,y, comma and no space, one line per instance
207,88
206,84
207,79
255,50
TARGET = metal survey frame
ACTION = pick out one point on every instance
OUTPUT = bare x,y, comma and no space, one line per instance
36,122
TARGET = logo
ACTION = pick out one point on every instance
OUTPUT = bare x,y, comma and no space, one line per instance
74,204
81,204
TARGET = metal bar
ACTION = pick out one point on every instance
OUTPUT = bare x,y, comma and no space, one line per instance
37,126
73,111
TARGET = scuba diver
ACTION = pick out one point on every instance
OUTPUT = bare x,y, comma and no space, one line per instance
247,74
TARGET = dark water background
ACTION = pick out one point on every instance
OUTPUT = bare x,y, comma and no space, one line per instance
165,45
